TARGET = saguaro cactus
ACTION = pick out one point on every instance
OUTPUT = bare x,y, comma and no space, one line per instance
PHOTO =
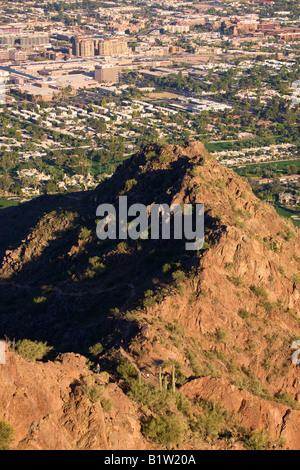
166,383
160,380
173,379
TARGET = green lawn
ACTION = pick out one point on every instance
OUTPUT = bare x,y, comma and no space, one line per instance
284,212
4,202
281,166
242,144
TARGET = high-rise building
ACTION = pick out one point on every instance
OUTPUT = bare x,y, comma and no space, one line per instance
83,46
177,28
8,39
25,40
87,46
17,55
4,55
107,74
111,46
13,55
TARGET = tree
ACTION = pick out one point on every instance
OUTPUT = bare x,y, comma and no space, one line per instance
51,186
32,350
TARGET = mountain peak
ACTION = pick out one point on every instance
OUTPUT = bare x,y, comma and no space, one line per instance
228,310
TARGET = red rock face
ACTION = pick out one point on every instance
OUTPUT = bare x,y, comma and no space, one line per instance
251,411
234,316
46,406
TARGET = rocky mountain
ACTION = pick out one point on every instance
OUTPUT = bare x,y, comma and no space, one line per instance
196,344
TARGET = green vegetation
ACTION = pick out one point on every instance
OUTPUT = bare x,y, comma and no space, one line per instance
244,314
287,234
32,350
213,423
220,335
288,214
4,202
106,405
130,184
260,291
6,435
95,267
236,280
96,349
92,392
166,430
259,440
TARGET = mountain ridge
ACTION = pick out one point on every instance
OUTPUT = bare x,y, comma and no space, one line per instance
229,311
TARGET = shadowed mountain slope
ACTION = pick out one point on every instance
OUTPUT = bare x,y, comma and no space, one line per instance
228,311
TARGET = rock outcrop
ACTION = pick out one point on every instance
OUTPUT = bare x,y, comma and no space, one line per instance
46,405
225,316
250,411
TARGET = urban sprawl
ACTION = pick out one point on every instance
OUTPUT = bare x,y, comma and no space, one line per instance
86,84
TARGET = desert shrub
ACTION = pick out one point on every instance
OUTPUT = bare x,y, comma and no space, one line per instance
39,304
220,335
269,306
6,435
205,246
149,299
92,392
106,405
150,396
84,233
267,364
178,276
126,370
166,268
287,234
230,265
96,349
164,158
115,312
32,350
39,300
194,171
130,184
95,267
213,422
232,367
236,280
150,155
243,313
295,278
251,345
195,366
219,183
272,338
123,247
175,328
204,293
166,430
286,400
281,270
237,223
270,244
145,394
213,355
259,440
259,291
